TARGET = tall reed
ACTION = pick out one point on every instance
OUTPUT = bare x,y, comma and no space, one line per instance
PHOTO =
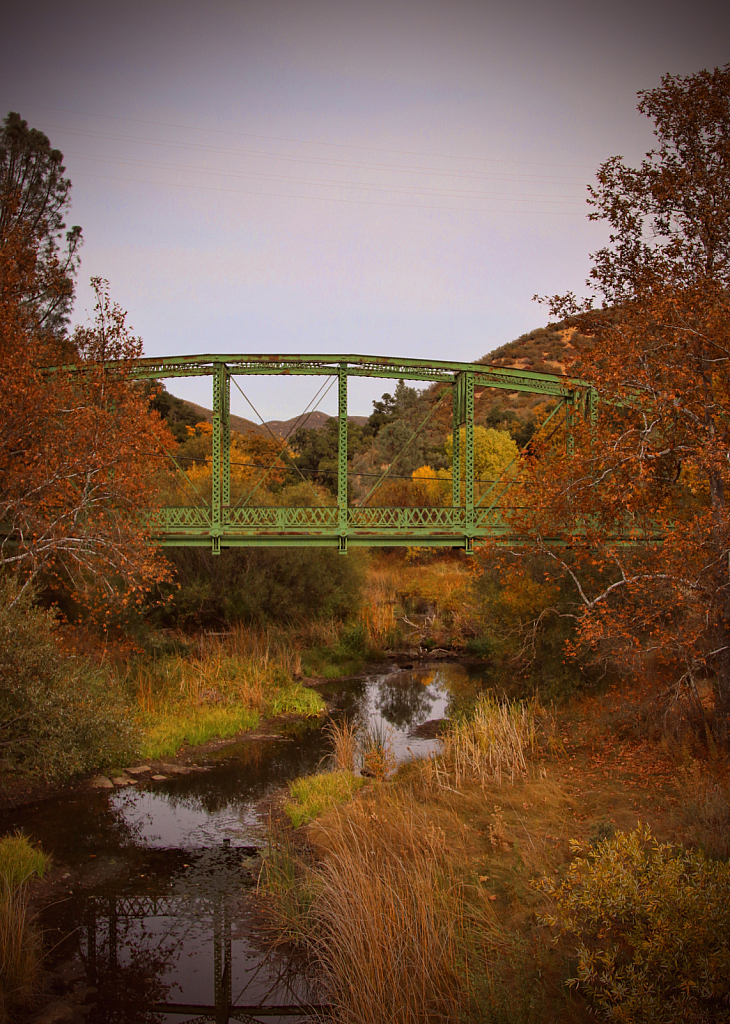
342,736
386,919
492,742
20,943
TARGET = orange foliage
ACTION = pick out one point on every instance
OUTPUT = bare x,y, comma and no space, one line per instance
78,449
643,501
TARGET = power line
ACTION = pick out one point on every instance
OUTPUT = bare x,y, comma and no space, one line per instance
312,472
305,142
434,192
293,158
322,199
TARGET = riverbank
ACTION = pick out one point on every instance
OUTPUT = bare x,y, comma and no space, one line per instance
186,845
425,891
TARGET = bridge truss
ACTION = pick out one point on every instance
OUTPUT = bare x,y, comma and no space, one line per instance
470,517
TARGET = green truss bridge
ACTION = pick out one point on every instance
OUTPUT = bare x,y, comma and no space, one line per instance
220,523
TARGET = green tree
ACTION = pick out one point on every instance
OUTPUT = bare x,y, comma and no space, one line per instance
41,258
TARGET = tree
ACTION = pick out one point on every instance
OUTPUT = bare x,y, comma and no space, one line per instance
494,451
658,463
77,462
39,263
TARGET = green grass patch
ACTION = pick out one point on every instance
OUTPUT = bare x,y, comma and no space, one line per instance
20,943
19,859
313,794
169,731
332,662
297,700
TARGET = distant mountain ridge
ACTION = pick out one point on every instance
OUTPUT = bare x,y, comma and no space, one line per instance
279,428
543,350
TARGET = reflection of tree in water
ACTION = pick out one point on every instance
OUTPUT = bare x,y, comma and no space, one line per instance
257,767
464,684
405,702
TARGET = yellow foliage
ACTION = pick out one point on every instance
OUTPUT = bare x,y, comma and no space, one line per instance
494,450
433,486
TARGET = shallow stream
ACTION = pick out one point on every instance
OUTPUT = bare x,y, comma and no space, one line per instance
158,924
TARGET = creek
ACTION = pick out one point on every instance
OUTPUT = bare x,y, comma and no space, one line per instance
158,923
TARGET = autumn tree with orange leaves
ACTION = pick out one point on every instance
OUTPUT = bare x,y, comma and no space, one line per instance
77,465
77,445
644,499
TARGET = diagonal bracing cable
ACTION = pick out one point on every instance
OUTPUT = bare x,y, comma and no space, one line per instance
283,448
404,449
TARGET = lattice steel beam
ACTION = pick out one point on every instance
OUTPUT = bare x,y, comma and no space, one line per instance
220,526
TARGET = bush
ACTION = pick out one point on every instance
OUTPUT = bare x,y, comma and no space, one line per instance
261,585
653,928
57,715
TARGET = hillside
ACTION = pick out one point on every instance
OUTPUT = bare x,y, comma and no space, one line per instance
545,350
279,428
238,423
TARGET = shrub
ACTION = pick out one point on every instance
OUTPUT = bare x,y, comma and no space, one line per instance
259,585
652,923
57,715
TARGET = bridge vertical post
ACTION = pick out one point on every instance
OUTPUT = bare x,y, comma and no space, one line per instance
225,444
221,491
342,457
457,420
469,461
570,408
592,410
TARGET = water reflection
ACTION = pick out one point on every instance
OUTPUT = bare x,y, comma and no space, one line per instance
166,915
160,958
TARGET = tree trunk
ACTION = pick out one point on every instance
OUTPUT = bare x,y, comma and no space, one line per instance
722,673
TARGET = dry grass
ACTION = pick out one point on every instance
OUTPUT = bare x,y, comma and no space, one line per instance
377,758
20,943
342,736
705,807
495,739
416,899
386,923
218,691
244,667
441,590
415,904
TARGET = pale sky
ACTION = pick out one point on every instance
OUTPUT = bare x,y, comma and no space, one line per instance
391,178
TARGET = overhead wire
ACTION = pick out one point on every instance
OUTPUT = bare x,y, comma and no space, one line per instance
323,199
433,191
423,190
313,472
306,142
294,158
